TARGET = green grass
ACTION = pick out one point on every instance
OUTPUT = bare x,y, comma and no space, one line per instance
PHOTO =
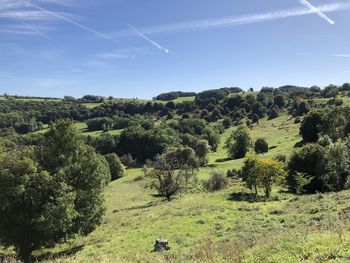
184,99
224,226
280,133
82,127
91,105
31,99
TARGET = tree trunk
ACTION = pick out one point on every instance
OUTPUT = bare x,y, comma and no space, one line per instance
267,192
24,253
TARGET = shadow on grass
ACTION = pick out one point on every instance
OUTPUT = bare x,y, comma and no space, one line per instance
299,144
148,205
246,197
65,253
223,160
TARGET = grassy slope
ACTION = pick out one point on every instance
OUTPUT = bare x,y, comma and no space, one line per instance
225,226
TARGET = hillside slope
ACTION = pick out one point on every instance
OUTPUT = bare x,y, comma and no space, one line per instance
231,225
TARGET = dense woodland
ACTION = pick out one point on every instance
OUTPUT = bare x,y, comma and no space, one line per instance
52,177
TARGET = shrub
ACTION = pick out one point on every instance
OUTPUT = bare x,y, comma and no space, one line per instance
239,142
337,167
115,166
247,174
227,123
297,120
165,177
279,101
310,126
255,118
233,173
216,182
273,113
261,146
128,161
267,173
311,161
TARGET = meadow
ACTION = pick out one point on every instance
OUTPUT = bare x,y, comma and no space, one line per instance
231,225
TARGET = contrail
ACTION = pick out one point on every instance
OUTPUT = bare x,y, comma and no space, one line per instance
74,23
37,31
232,21
317,11
148,39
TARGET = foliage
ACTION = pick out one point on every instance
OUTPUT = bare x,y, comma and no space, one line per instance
116,167
227,123
54,197
261,146
202,150
309,160
337,166
310,126
216,182
268,172
212,137
167,175
301,181
248,175
36,208
143,145
239,142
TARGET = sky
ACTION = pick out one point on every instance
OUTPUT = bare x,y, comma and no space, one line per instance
139,49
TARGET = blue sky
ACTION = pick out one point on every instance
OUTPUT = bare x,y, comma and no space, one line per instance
138,48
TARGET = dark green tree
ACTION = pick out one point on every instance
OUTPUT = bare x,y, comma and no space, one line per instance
261,146
279,101
116,167
310,126
37,208
239,142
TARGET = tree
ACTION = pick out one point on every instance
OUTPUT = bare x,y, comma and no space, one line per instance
116,167
36,208
273,113
165,176
212,137
309,160
279,101
310,126
330,91
248,175
267,173
337,167
239,142
303,107
255,118
227,123
261,146
202,150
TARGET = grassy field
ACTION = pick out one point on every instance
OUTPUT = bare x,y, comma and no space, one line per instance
91,105
230,225
82,127
226,226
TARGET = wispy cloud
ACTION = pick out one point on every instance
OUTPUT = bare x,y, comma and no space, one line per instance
341,55
154,43
28,10
231,21
38,31
317,11
68,20
126,53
